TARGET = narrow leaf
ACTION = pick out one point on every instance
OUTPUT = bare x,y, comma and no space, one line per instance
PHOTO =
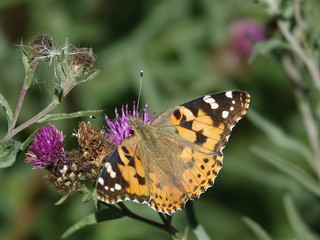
197,229
25,59
87,194
297,224
200,233
280,138
94,218
26,143
60,116
60,70
259,232
272,7
290,169
62,200
6,108
91,76
263,48
8,152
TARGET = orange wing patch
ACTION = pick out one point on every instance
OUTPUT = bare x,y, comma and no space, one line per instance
199,129
201,175
132,172
123,178
165,197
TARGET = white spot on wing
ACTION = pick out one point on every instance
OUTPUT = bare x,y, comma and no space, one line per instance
101,181
225,114
117,186
106,188
109,170
229,94
112,174
211,101
108,167
112,189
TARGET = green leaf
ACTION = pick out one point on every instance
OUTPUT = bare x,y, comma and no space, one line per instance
91,76
25,59
280,138
197,229
29,65
6,108
26,143
101,216
264,48
290,169
60,116
30,72
200,233
58,94
259,232
87,194
297,224
60,70
8,152
271,7
62,200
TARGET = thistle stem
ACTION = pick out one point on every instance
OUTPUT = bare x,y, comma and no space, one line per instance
305,110
22,95
299,51
32,120
67,88
167,227
303,53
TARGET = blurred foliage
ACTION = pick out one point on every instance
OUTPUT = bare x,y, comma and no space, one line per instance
185,49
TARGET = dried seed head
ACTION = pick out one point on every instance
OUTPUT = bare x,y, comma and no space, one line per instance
82,60
41,45
94,143
67,177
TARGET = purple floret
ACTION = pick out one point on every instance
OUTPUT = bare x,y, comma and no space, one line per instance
47,148
119,129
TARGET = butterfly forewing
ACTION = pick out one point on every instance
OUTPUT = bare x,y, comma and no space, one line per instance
123,176
183,158
208,121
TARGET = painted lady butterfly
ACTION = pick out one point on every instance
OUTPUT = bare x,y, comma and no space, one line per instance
174,158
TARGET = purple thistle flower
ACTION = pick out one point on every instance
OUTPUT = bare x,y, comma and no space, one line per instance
47,148
119,128
245,33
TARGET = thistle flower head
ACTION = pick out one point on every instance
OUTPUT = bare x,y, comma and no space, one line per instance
244,34
47,149
119,128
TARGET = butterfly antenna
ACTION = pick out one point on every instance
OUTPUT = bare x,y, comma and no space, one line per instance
140,87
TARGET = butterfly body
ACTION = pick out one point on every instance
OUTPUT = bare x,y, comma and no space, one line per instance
174,158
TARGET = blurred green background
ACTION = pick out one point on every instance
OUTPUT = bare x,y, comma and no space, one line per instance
186,49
